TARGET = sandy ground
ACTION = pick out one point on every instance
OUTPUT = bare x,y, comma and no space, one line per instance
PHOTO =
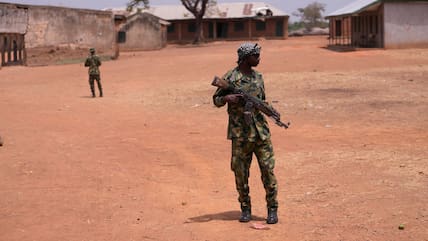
150,160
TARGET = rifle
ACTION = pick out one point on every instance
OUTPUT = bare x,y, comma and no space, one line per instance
251,103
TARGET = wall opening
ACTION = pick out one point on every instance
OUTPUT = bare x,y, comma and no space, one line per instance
222,30
279,28
12,49
339,28
121,37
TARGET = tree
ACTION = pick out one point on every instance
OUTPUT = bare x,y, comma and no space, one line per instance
311,15
134,3
197,8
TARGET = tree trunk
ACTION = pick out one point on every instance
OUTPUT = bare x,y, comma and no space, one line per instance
199,34
197,8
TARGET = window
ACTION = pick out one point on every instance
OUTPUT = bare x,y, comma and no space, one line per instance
338,28
260,26
191,27
121,37
171,28
238,27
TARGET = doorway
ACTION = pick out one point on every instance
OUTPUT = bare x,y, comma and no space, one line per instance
222,29
279,28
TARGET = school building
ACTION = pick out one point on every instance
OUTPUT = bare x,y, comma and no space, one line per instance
380,24
225,21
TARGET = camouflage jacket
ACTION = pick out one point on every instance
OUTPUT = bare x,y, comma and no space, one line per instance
238,128
93,61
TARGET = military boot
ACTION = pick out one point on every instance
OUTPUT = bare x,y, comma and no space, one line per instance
272,216
245,215
101,92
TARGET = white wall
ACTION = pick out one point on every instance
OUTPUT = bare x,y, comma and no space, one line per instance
406,24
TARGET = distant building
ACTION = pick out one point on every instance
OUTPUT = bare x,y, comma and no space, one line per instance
142,31
29,31
24,28
225,21
13,26
380,24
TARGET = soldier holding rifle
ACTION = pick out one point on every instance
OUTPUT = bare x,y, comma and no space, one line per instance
242,88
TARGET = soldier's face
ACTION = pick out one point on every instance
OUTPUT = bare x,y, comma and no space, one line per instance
254,60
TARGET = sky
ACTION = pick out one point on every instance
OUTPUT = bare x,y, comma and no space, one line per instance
285,5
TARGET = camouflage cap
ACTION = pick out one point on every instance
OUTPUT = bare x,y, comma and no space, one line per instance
247,49
92,50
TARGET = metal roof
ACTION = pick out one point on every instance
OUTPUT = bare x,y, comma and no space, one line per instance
353,7
221,10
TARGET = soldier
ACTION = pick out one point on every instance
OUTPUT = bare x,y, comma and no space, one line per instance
249,137
93,62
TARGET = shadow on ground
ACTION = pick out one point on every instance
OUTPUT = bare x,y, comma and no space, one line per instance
225,216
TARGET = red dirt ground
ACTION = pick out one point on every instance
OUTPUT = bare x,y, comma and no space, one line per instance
150,160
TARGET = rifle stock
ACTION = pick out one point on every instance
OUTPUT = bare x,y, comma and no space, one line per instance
255,102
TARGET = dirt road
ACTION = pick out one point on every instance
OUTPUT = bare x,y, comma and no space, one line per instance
150,160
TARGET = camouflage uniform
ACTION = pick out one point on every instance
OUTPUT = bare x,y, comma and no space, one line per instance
249,138
93,62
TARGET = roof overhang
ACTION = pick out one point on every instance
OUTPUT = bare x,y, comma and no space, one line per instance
356,8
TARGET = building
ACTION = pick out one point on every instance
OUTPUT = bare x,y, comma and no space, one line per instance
25,30
142,31
225,21
380,24
13,26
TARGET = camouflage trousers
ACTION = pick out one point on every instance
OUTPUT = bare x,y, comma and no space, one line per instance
242,153
92,78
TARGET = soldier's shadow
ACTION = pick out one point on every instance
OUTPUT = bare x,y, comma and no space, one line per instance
225,216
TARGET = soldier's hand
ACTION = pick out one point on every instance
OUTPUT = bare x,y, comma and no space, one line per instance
232,98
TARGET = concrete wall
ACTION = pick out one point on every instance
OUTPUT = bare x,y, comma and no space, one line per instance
57,26
145,32
406,25
13,19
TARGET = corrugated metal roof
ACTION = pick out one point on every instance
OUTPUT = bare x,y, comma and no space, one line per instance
221,10
353,7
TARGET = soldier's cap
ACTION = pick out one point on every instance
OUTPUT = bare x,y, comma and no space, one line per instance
92,50
247,49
